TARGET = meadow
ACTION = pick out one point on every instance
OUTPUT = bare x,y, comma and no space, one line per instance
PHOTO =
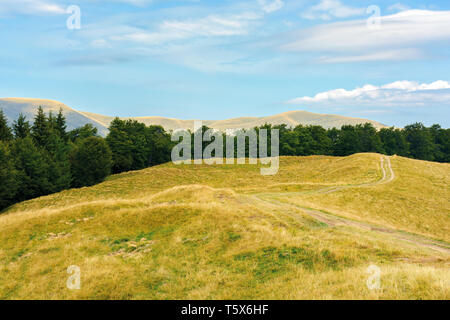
227,232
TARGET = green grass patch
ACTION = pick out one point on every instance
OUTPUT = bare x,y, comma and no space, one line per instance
269,262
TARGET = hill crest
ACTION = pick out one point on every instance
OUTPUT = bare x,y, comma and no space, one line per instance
12,107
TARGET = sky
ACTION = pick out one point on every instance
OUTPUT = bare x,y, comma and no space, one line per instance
205,59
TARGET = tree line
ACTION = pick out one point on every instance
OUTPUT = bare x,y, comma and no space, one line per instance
414,141
44,157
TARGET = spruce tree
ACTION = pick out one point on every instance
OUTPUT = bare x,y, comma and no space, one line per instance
41,129
21,127
5,130
61,126
32,169
57,155
8,177
54,149
51,120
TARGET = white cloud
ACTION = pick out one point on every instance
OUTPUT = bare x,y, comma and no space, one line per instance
209,26
270,6
138,3
387,55
31,7
328,9
399,93
398,7
403,33
100,43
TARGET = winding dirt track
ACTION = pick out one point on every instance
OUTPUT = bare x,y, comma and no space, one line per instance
387,176
332,220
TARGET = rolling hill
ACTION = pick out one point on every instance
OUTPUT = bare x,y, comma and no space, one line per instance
226,232
14,106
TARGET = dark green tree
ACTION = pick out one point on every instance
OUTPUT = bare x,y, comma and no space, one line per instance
288,139
369,139
130,145
394,141
86,131
321,143
5,130
40,130
347,141
420,139
121,146
51,120
441,140
61,126
286,143
21,127
8,177
32,169
91,162
159,145
305,141
333,134
57,155
199,135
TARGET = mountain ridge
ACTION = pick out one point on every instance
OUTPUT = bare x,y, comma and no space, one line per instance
12,107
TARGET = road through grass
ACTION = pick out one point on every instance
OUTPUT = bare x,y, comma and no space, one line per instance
331,220
226,232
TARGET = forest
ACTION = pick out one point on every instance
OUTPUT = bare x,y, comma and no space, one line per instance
42,157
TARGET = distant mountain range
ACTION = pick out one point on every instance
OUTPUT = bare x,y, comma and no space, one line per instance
12,107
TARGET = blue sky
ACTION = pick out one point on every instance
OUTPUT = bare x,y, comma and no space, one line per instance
222,59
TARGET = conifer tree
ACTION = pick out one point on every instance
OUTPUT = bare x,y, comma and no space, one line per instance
57,155
21,127
60,125
8,177
41,129
32,169
5,130
51,120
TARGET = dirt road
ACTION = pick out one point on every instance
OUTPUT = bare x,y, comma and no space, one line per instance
333,220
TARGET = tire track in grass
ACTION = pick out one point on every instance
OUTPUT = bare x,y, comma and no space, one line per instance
333,220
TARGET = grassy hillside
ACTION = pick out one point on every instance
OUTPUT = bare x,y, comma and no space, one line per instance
217,232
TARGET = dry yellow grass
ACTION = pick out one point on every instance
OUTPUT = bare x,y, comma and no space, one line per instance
226,232
417,200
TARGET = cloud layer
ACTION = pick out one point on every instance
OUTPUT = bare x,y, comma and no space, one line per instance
31,7
399,93
209,26
328,9
405,32
271,5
